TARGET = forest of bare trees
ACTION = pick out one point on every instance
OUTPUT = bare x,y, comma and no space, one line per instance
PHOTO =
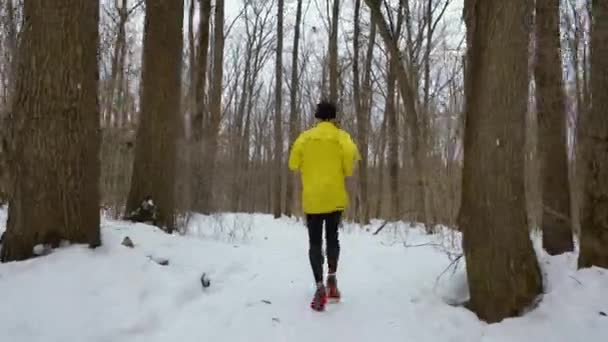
487,117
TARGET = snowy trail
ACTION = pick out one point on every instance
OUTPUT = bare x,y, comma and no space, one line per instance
261,288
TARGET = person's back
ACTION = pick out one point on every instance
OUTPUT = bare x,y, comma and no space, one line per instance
324,155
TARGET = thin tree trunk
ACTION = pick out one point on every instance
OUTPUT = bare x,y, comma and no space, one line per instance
333,53
201,70
594,223
155,145
503,273
237,147
293,115
278,122
393,143
362,112
55,171
406,89
197,119
380,188
215,110
118,57
191,98
552,121
120,110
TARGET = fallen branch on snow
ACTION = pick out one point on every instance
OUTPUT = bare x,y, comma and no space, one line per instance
454,264
428,244
381,227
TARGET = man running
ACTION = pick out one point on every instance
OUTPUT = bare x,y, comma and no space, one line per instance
324,155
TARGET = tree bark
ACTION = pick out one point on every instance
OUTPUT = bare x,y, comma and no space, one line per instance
215,110
333,53
201,70
393,143
594,223
197,120
551,111
278,122
9,25
155,145
503,273
191,100
293,115
55,171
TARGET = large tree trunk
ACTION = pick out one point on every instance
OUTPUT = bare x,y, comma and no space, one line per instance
503,273
551,109
293,115
198,116
212,125
201,69
278,122
9,25
55,170
333,53
155,145
594,222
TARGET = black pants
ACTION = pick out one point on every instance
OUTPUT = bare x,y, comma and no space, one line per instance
314,223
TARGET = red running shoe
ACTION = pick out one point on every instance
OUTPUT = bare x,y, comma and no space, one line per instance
320,299
333,293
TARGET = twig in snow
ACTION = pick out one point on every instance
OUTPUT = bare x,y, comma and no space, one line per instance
578,281
381,227
388,244
454,264
430,244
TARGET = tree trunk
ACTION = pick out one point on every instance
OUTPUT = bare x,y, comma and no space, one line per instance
366,107
380,168
293,115
201,69
333,53
407,91
215,110
393,143
9,25
239,138
55,178
594,223
191,100
551,111
278,122
155,145
503,273
362,112
199,170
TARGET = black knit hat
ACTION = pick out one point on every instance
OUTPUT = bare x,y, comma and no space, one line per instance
325,111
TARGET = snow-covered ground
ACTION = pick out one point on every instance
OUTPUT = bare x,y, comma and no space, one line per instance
260,289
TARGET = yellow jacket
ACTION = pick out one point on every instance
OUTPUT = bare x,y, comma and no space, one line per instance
324,155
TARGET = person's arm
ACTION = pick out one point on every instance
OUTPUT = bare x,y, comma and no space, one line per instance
350,154
295,157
